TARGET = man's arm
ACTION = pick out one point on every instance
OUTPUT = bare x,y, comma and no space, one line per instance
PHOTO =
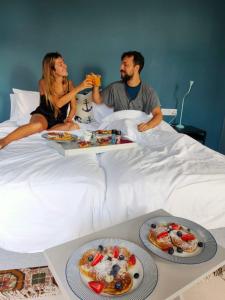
96,95
156,120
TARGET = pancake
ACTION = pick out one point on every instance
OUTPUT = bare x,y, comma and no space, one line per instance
186,245
172,236
160,237
108,270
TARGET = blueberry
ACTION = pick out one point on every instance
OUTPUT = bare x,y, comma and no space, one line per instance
121,257
153,225
109,258
115,270
171,250
179,250
118,285
90,257
179,233
100,248
188,229
136,275
200,244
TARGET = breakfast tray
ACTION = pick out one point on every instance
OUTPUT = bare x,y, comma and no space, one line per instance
72,148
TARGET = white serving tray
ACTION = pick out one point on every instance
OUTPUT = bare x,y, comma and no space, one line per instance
72,148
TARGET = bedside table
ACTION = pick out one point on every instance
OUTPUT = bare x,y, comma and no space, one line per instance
195,133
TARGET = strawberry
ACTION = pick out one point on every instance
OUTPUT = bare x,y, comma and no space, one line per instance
132,260
98,257
188,237
174,226
96,286
162,234
116,251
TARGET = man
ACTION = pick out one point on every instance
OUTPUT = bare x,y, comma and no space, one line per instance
131,92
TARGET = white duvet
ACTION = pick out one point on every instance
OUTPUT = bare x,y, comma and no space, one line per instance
47,199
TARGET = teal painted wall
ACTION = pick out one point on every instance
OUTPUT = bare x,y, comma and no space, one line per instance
181,41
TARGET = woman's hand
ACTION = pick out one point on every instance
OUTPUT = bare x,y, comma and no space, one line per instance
95,78
68,120
86,84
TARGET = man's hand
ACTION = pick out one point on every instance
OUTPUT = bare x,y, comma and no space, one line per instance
143,126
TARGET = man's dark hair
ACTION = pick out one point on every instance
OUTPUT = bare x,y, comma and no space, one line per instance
138,58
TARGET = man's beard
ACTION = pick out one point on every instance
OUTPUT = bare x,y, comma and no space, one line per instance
125,77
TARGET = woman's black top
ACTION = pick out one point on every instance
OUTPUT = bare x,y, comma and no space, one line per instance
47,111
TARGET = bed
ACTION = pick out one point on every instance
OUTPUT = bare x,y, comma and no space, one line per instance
48,199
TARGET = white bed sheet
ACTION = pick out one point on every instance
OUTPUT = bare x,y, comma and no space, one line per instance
47,199
168,170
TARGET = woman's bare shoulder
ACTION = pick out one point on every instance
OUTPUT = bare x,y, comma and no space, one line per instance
41,85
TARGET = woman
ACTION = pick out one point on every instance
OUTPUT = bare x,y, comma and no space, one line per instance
57,93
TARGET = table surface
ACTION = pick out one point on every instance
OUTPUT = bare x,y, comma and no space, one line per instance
173,279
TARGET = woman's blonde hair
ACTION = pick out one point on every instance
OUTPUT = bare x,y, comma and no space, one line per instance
48,75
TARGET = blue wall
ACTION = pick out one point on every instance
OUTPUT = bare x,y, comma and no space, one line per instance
181,41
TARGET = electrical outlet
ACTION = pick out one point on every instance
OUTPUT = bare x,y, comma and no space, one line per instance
169,111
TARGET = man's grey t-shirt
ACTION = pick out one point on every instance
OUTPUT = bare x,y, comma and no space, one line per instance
115,96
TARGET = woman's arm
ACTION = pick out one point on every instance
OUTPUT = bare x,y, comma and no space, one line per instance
60,101
73,105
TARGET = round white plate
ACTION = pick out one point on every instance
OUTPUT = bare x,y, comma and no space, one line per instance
46,136
200,255
145,287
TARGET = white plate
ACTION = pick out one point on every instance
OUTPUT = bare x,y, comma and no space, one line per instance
48,137
200,255
145,287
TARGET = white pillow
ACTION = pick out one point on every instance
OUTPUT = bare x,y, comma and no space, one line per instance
13,98
17,91
84,113
22,104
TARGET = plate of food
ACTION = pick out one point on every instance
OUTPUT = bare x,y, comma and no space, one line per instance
59,137
111,268
178,240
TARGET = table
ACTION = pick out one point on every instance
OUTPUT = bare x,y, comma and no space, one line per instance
173,278
194,132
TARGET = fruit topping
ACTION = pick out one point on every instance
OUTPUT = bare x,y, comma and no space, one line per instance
115,252
100,248
188,237
174,226
200,244
96,286
98,257
179,250
153,225
179,233
170,250
132,260
121,257
118,285
109,258
136,275
162,234
115,270
90,257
